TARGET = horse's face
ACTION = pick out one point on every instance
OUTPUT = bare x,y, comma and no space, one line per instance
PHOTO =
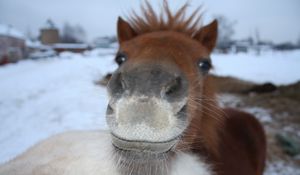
150,92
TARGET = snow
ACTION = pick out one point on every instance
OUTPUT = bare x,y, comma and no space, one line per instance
280,68
42,54
43,97
263,115
33,44
7,30
281,168
230,100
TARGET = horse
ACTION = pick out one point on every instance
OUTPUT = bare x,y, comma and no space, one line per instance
162,113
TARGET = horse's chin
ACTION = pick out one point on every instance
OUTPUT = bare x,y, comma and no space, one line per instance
138,157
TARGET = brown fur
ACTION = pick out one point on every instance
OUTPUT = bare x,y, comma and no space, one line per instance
150,21
233,142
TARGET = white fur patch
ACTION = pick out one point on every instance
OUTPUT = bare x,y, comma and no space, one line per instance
88,153
71,153
189,164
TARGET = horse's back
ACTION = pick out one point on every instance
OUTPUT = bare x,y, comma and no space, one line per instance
242,145
73,153
85,153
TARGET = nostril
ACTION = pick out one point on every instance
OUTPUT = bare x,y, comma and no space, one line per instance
173,86
182,112
118,84
123,83
109,110
120,81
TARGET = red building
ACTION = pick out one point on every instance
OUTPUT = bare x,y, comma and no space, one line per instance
12,45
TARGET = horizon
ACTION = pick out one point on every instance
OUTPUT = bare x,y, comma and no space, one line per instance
250,16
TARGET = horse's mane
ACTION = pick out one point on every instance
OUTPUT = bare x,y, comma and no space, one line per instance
151,21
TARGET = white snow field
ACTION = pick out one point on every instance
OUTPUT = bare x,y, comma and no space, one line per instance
39,98
280,68
44,97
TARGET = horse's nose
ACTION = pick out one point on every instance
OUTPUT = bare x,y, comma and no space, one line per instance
172,87
149,81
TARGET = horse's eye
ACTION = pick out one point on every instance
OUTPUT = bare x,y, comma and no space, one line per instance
120,58
205,66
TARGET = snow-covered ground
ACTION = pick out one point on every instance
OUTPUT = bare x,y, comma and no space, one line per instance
280,68
42,97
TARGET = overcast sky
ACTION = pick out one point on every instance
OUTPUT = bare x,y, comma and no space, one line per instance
276,20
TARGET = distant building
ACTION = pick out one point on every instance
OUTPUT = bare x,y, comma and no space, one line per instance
242,46
50,38
104,42
224,47
12,44
49,34
70,47
285,46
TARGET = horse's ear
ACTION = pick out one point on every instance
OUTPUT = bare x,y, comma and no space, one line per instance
125,31
207,35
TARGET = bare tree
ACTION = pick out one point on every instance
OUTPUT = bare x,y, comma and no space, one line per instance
50,24
80,33
72,34
225,31
29,35
257,36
